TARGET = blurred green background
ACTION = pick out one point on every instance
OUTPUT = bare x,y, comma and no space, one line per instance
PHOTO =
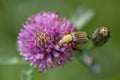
13,14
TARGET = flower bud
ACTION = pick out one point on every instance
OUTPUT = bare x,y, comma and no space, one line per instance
100,36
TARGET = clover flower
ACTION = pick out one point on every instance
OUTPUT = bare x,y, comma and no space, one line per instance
38,40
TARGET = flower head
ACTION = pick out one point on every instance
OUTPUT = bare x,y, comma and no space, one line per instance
38,40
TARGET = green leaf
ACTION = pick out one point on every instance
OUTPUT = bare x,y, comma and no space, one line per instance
82,17
87,59
6,60
27,73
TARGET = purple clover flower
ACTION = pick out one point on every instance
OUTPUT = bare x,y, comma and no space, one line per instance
38,40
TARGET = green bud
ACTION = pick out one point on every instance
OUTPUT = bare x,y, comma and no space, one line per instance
100,36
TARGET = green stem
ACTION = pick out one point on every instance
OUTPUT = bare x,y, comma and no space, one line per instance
27,73
91,47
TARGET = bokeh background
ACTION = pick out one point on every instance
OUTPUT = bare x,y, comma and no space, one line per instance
13,14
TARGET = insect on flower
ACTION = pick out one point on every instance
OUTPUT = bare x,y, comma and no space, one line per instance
75,37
